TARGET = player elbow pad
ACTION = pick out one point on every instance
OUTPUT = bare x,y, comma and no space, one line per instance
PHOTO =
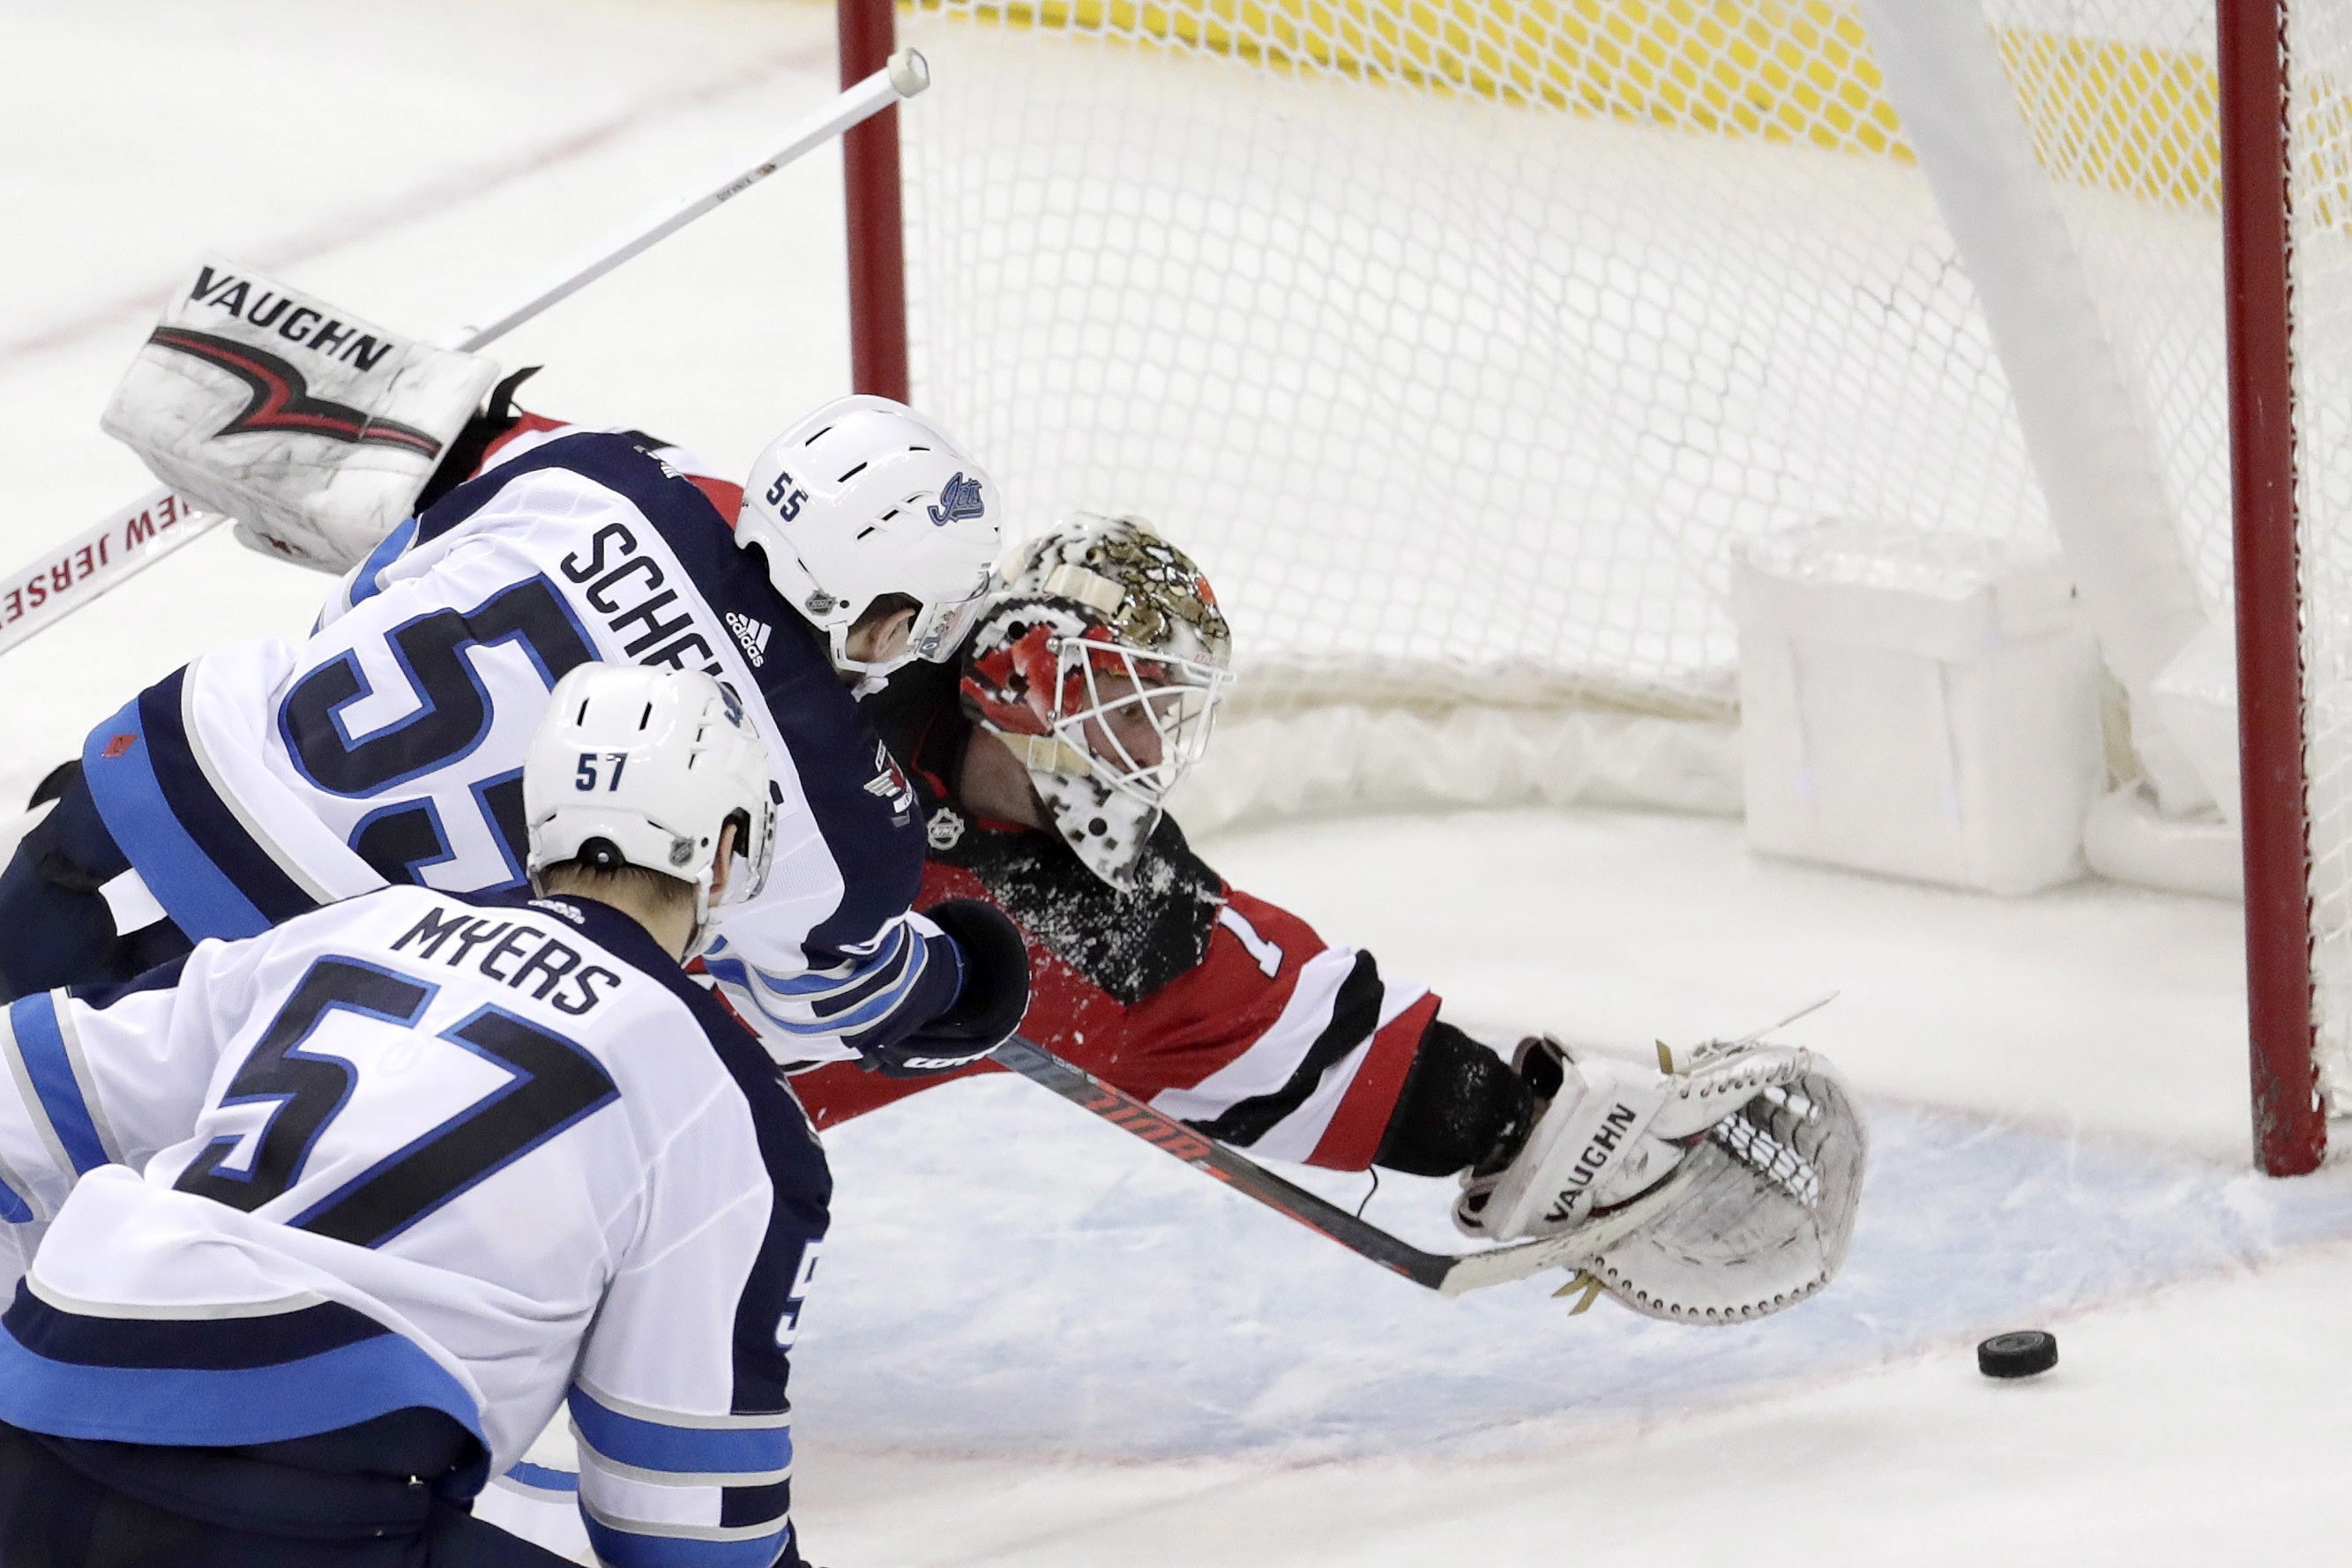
990,1002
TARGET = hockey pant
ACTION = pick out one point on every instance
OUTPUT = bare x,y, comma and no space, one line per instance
313,1503
59,931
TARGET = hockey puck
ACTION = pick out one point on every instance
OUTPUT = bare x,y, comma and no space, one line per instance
2019,1354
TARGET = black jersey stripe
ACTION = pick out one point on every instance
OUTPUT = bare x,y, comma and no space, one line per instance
1355,1017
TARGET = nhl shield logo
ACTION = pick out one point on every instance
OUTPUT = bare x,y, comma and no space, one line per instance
959,502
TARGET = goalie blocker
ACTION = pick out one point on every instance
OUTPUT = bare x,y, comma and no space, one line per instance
315,429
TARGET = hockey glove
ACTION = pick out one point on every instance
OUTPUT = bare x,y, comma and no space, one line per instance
1708,1197
988,1006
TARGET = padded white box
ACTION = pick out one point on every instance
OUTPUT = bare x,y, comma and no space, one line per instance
1917,705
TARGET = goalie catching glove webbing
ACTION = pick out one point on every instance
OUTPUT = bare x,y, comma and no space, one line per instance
313,428
1711,1196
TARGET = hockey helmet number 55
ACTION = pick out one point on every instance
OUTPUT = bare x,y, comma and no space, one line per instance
865,498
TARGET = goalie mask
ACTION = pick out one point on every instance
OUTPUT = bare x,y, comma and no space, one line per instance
1101,665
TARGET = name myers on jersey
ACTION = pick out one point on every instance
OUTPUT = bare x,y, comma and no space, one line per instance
260,306
453,934
1592,1161
629,589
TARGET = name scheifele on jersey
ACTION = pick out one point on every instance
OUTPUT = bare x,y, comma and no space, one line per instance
651,616
455,933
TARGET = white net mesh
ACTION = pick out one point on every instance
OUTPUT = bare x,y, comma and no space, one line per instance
1442,384
1463,340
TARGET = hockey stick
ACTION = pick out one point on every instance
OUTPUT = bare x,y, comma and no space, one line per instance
44,591
1447,1273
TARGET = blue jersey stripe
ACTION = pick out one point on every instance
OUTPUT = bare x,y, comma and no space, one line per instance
119,764
543,1478
12,1207
388,550
627,1549
205,1408
680,1450
42,1045
853,972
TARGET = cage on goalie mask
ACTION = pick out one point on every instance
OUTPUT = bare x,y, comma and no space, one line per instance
1101,665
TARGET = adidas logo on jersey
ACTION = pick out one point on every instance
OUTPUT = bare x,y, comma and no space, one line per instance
752,635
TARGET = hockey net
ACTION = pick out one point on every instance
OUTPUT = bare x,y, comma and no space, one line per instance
1466,340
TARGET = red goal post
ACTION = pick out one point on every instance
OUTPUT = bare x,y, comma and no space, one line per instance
1649,280
2290,1122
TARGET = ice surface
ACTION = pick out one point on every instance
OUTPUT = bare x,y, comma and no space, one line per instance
1036,1342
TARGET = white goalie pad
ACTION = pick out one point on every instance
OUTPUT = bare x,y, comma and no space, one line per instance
1757,1217
313,428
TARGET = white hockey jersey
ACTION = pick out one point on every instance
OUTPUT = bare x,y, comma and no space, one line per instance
265,779
420,1150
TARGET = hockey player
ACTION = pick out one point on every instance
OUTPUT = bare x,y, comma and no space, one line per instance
1042,766
362,1199
265,780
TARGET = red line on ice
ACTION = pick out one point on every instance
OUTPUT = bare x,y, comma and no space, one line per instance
431,198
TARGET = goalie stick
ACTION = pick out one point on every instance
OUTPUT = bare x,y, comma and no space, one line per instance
1447,1273
60,581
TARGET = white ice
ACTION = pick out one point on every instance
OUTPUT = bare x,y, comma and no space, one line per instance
1038,1342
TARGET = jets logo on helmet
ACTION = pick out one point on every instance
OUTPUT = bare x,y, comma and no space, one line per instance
958,501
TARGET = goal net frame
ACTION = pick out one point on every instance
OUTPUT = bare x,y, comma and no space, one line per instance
2289,1113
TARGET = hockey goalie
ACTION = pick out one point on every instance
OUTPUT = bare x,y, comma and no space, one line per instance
1042,763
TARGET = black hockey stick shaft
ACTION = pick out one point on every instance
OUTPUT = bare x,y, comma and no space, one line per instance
1245,1175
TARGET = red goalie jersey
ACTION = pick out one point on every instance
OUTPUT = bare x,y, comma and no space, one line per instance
1218,1007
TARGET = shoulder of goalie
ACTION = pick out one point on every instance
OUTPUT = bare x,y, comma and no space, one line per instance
1712,1195
312,427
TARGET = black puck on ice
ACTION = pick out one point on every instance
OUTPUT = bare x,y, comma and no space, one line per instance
2019,1354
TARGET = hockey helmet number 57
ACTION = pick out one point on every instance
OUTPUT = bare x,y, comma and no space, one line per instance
650,766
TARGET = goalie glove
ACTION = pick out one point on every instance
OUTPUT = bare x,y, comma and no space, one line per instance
1713,1195
314,429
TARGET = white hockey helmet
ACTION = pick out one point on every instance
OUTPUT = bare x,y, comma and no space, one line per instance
863,498
645,767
